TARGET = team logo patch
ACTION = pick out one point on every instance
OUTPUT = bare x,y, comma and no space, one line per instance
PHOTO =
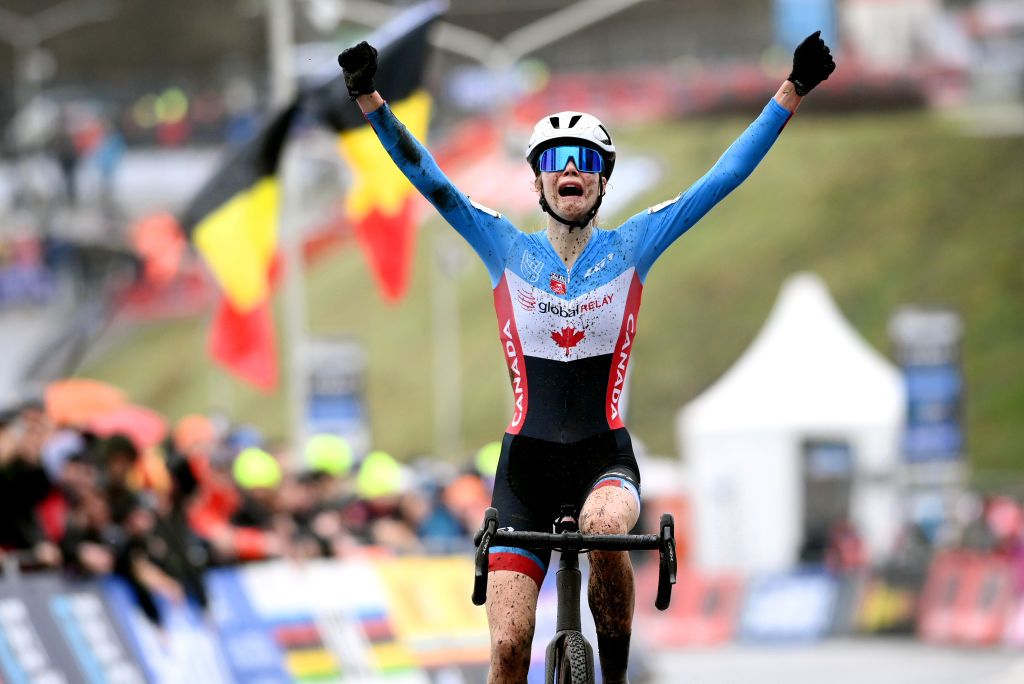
531,266
599,265
526,300
557,284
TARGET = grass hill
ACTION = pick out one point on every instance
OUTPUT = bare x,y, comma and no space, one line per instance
889,209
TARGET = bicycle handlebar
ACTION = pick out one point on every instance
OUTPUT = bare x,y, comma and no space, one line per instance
575,541
664,542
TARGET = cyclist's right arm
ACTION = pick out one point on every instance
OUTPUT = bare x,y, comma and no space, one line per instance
489,233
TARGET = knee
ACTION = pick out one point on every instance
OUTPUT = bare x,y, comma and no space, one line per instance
511,643
604,521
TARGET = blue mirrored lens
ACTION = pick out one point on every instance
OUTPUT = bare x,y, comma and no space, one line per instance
586,160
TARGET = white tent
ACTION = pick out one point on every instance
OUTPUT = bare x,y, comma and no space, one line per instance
808,378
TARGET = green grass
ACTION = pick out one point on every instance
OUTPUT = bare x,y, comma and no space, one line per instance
888,209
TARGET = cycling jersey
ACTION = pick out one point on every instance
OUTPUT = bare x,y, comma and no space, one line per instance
567,334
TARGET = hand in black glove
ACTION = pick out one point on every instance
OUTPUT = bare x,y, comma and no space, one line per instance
359,64
812,64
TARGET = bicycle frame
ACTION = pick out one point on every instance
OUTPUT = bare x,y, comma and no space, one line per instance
570,543
568,587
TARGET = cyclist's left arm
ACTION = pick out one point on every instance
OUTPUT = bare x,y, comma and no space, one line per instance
659,226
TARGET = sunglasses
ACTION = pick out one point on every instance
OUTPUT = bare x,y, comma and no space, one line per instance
585,159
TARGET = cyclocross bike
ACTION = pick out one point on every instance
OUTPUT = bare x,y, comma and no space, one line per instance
570,657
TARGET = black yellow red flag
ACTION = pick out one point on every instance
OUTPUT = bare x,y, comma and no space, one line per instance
232,222
380,201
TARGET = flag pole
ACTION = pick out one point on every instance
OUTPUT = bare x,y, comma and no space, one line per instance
280,32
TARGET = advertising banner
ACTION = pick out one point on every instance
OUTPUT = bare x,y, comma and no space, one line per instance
250,652
55,631
184,648
927,346
795,606
703,611
336,403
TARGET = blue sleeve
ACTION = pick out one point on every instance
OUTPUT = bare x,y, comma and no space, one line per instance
488,232
658,227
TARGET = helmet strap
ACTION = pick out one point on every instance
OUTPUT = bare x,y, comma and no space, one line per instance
577,223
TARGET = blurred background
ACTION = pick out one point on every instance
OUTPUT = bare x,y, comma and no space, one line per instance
250,389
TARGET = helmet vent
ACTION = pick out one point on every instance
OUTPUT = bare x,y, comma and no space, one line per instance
604,134
555,123
574,120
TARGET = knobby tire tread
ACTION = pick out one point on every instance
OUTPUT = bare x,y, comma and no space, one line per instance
574,654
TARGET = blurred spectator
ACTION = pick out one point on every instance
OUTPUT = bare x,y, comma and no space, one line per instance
846,551
142,556
814,549
66,153
377,516
24,484
487,461
107,157
467,497
256,527
90,538
911,556
325,490
977,534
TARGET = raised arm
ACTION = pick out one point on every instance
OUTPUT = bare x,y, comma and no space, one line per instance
660,226
487,232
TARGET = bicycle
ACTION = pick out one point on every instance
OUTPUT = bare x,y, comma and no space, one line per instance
569,658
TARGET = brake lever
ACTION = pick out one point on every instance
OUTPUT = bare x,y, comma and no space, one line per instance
666,562
482,540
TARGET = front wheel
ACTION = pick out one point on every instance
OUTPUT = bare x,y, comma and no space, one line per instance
576,664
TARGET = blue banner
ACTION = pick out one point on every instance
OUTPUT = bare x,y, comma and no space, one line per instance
934,393
251,654
797,606
184,648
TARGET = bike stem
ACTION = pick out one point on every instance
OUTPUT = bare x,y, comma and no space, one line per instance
567,584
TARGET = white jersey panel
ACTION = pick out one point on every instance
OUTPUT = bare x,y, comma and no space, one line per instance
558,329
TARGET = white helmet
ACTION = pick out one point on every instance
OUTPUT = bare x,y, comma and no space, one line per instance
571,127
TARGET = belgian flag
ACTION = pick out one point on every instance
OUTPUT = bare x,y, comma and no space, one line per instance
233,224
380,202
233,219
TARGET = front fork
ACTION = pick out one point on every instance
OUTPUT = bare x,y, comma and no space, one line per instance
568,581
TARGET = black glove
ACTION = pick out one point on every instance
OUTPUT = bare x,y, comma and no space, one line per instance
812,64
359,64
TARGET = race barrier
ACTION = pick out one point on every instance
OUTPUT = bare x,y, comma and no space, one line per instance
886,606
968,599
54,631
704,609
793,606
409,619
403,620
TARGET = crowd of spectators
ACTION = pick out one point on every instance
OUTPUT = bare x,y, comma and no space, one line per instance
210,495
93,502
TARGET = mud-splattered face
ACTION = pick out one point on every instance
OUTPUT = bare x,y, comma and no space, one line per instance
570,193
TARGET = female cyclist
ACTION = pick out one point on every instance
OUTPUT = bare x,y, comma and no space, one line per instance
567,300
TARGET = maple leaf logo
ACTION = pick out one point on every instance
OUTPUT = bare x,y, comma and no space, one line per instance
567,338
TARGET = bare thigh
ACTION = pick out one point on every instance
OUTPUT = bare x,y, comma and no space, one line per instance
609,510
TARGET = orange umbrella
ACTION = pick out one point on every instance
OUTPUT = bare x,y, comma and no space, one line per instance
144,426
76,401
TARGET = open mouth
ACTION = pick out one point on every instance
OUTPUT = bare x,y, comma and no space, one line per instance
570,190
